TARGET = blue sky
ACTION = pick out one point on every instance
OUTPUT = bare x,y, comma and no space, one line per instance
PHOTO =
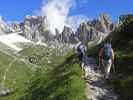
17,9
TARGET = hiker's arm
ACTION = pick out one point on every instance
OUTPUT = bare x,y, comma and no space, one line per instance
100,52
113,55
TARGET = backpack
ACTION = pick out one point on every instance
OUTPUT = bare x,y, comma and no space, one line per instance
81,49
107,51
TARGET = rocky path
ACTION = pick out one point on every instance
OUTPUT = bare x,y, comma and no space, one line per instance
96,87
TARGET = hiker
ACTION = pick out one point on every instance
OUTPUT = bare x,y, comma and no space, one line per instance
106,58
81,50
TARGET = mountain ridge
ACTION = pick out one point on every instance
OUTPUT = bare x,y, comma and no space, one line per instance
36,28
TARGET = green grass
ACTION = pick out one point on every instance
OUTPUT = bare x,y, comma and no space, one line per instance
16,77
124,76
61,81
122,40
4,62
58,80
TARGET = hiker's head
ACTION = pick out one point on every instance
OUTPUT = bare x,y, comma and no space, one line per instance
108,42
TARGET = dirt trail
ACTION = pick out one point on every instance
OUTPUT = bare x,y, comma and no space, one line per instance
96,87
4,91
6,71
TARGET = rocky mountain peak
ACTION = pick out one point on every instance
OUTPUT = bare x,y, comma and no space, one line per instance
103,23
3,26
68,35
96,28
36,28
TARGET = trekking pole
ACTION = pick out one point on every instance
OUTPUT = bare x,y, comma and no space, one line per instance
113,67
99,61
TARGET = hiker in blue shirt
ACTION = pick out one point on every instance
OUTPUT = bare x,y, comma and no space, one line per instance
106,58
81,49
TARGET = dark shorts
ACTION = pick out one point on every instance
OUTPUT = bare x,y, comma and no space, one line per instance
80,56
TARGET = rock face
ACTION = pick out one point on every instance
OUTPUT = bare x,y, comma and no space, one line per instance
67,35
87,33
3,27
35,28
30,27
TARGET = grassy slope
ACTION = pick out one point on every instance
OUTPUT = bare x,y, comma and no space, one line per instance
124,80
17,75
59,80
123,45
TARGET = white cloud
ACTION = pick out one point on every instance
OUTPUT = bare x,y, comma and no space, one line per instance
57,13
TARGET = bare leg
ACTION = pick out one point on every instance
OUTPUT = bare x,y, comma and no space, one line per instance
107,69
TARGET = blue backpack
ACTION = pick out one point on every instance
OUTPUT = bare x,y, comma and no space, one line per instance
107,51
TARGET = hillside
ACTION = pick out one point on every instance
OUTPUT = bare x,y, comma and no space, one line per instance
14,74
122,42
47,76
59,77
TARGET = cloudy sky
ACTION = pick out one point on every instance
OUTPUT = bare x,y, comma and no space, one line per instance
62,12
17,9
